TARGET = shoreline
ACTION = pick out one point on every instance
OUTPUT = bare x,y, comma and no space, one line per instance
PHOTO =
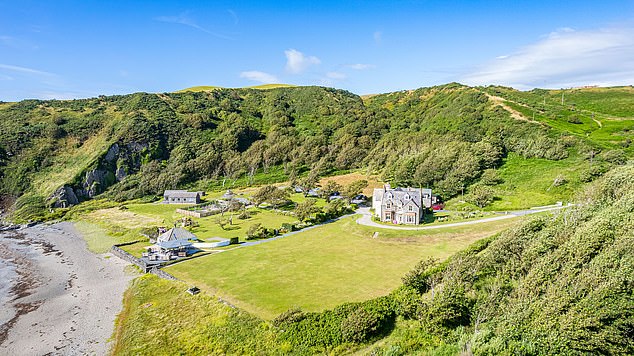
63,298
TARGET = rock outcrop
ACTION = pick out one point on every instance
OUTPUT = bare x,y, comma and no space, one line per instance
63,197
118,162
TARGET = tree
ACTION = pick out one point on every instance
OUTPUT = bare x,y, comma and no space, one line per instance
490,177
355,188
222,222
272,195
480,195
306,209
329,188
309,182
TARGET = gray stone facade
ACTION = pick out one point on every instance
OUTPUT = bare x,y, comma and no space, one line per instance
401,205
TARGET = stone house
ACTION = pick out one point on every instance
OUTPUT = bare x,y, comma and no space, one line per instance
401,205
181,197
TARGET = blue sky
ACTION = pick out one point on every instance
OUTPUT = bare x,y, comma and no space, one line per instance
72,49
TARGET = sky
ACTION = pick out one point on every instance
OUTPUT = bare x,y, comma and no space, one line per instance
76,49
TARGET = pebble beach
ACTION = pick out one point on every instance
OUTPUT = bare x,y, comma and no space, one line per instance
56,296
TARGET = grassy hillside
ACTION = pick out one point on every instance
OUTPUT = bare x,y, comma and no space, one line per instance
452,138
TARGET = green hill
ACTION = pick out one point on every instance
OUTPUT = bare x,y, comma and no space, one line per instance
453,138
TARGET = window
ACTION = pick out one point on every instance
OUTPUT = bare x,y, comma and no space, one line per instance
388,205
411,208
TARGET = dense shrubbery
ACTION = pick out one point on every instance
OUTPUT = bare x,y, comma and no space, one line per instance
442,137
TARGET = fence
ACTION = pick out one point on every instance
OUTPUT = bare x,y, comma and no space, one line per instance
196,213
162,274
122,254
129,258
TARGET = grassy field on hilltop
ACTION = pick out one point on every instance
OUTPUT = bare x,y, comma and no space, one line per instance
212,87
323,267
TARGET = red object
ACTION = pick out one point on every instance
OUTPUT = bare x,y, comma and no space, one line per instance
438,206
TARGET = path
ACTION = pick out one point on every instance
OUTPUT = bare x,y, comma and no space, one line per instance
514,113
366,219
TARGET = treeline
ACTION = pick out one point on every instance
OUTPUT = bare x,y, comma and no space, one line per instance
442,137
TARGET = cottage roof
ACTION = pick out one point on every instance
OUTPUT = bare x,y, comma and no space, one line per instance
180,194
174,234
173,244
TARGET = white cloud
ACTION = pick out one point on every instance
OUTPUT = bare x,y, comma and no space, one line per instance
336,75
360,66
257,76
565,58
378,37
24,70
184,19
297,62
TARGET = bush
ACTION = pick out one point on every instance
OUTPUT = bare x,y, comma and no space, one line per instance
359,325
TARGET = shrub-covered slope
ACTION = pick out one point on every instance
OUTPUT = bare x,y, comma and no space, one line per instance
59,153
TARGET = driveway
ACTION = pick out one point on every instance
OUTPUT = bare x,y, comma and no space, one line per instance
366,219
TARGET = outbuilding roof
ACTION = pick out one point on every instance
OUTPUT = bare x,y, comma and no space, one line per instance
174,244
176,233
180,194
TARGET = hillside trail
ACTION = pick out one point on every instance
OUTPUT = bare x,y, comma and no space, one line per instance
514,113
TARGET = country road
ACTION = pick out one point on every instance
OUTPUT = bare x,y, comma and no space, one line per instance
366,219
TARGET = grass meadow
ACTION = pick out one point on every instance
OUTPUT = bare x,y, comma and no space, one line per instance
323,267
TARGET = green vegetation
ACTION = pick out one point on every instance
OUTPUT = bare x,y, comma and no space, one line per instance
56,153
160,318
323,267
555,284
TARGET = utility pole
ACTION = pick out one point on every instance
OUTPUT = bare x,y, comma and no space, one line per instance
562,97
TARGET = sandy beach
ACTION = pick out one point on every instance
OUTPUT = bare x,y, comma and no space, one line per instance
57,297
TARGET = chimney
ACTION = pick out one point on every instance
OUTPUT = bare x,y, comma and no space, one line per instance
387,186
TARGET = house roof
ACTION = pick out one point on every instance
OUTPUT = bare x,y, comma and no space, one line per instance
174,234
173,244
400,196
180,194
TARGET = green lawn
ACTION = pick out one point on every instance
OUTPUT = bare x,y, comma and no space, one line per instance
147,215
325,266
528,182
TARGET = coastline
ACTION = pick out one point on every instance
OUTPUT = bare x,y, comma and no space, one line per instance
61,298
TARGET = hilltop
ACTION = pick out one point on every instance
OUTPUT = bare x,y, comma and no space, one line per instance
211,87
453,138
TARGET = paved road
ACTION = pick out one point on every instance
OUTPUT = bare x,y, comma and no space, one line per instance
366,219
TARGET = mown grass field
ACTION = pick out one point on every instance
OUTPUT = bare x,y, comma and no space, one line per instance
323,267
